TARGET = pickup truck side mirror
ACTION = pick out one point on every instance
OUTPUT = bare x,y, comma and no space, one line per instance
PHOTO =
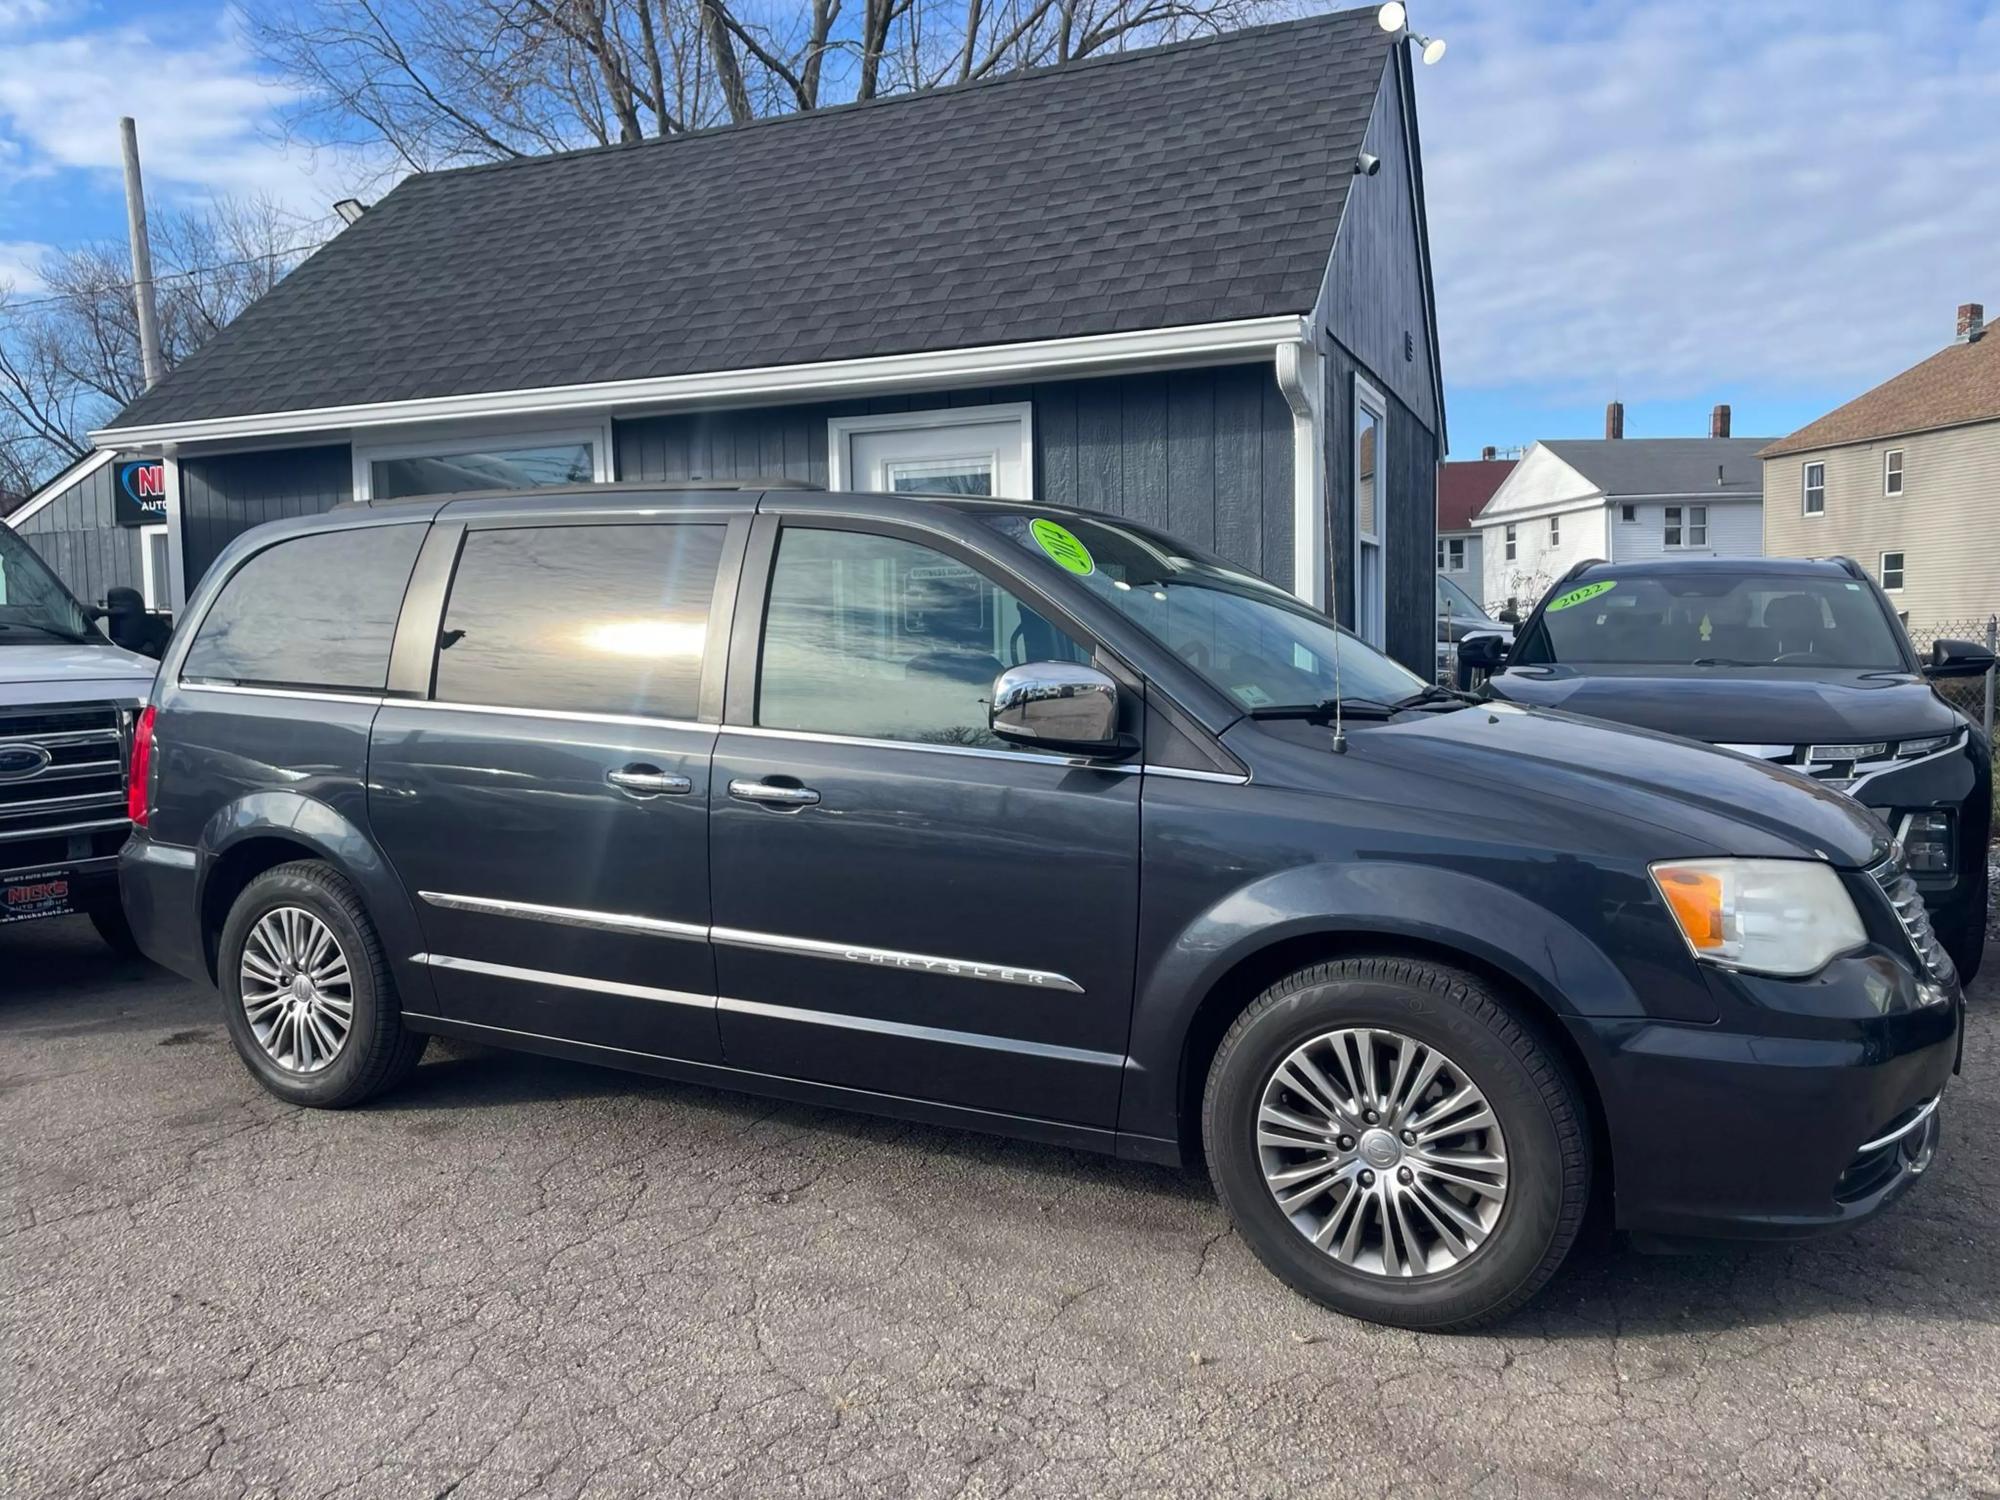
1483,653
1951,658
1509,617
1056,705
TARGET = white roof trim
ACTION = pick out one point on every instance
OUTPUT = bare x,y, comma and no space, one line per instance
74,474
1246,338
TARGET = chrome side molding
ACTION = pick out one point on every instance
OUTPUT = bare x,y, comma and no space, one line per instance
563,981
569,916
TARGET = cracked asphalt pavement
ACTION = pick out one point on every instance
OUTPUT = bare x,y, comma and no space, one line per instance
520,1277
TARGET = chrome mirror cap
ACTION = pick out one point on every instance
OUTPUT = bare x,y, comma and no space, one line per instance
1059,705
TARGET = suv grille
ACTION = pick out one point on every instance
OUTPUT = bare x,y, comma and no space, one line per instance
72,804
1909,904
1844,768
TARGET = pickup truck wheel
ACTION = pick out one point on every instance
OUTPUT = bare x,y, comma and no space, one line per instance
1392,1142
309,999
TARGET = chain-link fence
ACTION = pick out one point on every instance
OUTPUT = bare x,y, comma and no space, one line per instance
1972,694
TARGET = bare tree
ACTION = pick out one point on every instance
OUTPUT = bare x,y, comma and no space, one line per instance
69,352
432,83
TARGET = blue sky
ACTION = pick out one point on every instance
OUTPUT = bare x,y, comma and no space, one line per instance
1773,203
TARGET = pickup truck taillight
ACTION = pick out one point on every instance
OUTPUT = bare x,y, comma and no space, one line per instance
139,778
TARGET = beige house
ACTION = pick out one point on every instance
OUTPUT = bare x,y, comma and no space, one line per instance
1905,479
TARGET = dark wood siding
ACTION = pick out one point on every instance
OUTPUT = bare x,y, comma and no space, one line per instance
1205,453
1409,501
225,495
78,535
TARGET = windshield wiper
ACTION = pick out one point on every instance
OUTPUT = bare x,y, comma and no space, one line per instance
1437,693
1722,661
1358,708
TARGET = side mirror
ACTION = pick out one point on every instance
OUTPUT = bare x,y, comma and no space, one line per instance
1056,705
1509,617
1958,659
1483,653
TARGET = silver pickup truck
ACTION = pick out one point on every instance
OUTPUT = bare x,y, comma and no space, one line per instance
68,699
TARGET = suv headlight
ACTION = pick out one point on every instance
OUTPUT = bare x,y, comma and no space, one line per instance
1770,916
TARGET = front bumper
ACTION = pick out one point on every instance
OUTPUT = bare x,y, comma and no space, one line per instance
30,892
1791,1128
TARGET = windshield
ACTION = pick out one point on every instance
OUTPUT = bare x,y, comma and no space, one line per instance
1249,638
1455,602
1714,617
33,605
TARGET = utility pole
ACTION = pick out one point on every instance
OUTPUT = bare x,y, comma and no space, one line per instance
142,257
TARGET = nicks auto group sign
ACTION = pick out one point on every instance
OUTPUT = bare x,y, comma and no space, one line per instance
140,492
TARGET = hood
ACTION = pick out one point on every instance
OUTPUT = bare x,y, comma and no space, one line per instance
1738,705
41,672
1654,795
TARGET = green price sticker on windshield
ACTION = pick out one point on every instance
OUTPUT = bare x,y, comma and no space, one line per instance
1061,544
1583,595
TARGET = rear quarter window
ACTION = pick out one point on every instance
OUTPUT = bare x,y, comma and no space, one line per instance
313,611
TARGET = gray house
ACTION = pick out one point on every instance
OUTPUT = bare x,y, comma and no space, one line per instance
1189,286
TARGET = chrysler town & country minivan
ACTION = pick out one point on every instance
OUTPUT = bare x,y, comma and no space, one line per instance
1036,821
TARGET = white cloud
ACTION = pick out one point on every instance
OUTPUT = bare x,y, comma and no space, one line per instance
1671,199
206,117
20,265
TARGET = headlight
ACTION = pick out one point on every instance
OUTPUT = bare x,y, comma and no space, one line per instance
1770,916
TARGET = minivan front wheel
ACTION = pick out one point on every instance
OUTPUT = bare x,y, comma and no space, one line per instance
311,1004
1394,1143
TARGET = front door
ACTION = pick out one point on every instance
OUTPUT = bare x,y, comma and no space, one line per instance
981,450
547,806
901,903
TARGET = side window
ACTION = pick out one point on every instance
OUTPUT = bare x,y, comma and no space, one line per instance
583,619
313,612
884,639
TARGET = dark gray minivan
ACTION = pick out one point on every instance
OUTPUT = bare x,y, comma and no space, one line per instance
1031,820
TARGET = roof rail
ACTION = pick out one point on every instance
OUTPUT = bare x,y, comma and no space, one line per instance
588,491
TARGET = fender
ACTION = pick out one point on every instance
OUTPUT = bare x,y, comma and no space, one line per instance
1545,954
342,844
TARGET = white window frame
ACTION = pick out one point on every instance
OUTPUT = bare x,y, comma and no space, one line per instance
1892,473
1882,571
1508,543
475,437
1697,520
1673,527
1367,399
1555,531
1807,487
841,432
156,590
1446,546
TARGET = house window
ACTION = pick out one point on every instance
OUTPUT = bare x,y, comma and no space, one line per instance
1370,500
1510,544
1555,531
1892,472
1671,533
965,450
153,567
1628,512
496,461
1815,489
1697,532
1451,554
1892,572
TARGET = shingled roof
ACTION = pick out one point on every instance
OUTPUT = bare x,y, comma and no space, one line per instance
1628,467
1195,183
1958,384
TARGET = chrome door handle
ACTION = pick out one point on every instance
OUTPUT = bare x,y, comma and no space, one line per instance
643,781
763,791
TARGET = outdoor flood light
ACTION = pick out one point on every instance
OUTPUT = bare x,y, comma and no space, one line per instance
1392,16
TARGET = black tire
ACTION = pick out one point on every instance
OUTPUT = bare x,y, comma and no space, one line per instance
378,1052
1526,1086
108,917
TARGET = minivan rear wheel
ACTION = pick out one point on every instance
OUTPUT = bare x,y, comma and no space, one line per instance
1395,1143
310,1002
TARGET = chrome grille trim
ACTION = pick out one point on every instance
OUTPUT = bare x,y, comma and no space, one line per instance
1908,903
80,787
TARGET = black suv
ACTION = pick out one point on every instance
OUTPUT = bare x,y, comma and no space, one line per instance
1802,664
1029,820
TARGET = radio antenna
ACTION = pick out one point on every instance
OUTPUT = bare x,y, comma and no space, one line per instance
1339,734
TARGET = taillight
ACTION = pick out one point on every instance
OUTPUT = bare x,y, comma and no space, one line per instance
138,786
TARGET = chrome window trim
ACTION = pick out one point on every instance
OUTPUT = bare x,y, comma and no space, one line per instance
892,958
563,981
878,1027
637,721
308,695
982,752
569,916
1178,773
1924,1112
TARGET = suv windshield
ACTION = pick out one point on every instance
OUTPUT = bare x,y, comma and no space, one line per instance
1714,618
1459,605
1249,638
33,604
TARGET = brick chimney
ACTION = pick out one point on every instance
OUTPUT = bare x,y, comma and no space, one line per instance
1488,453
1971,321
1718,421
1614,419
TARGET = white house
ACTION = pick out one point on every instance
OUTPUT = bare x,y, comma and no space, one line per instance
1619,500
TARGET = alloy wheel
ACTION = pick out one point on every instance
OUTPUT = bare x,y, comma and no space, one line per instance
297,990
1382,1152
